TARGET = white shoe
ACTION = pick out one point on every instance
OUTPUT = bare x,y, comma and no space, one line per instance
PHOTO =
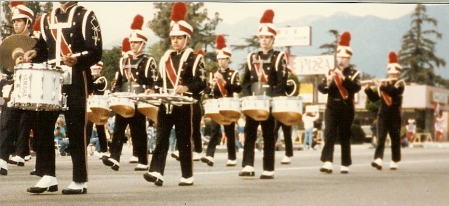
46,183
75,188
344,169
104,155
393,165
267,175
141,167
175,154
208,160
154,177
3,167
377,163
186,181
231,163
27,158
196,156
18,160
327,167
285,160
133,159
247,171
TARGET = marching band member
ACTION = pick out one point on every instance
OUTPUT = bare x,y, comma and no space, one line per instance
183,72
223,83
70,33
100,84
411,131
439,129
266,67
22,18
341,85
389,116
136,76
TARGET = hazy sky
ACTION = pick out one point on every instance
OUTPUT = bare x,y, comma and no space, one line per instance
116,17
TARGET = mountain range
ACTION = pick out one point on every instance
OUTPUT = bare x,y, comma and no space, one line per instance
372,37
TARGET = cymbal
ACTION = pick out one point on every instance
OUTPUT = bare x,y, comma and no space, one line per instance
11,43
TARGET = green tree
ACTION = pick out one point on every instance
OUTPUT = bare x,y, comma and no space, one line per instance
110,60
203,29
37,7
251,45
417,53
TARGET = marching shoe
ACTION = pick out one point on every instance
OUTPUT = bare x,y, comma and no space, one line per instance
141,167
247,171
75,188
155,177
344,169
377,163
285,160
104,155
196,156
46,183
327,167
267,175
231,163
18,160
111,162
175,155
186,181
393,165
3,167
27,158
208,160
134,159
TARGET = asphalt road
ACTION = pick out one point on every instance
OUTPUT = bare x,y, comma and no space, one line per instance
421,179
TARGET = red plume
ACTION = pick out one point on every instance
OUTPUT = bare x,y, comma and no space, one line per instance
125,45
267,16
220,42
392,58
200,51
345,39
15,3
137,22
37,24
178,11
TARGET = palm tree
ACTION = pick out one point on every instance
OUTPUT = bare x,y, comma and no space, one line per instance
417,50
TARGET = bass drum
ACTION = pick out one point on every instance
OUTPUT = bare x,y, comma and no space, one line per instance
211,110
256,107
287,109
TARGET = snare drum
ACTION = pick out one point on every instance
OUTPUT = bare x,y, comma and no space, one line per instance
211,110
287,109
122,105
148,110
256,107
37,87
230,108
99,105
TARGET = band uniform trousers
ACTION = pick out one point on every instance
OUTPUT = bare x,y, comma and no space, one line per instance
215,138
250,141
338,116
76,120
23,143
101,135
9,132
197,116
287,130
138,136
181,117
43,124
389,123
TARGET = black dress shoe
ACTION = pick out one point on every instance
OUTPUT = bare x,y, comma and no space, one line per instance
69,191
38,190
325,170
108,162
150,178
207,161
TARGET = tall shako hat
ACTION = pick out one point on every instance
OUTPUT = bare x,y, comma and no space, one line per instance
178,25
393,65
266,27
222,51
125,46
343,49
19,10
136,27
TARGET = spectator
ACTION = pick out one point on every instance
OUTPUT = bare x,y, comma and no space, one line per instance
61,137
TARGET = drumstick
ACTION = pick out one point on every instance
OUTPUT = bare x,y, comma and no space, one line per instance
73,55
